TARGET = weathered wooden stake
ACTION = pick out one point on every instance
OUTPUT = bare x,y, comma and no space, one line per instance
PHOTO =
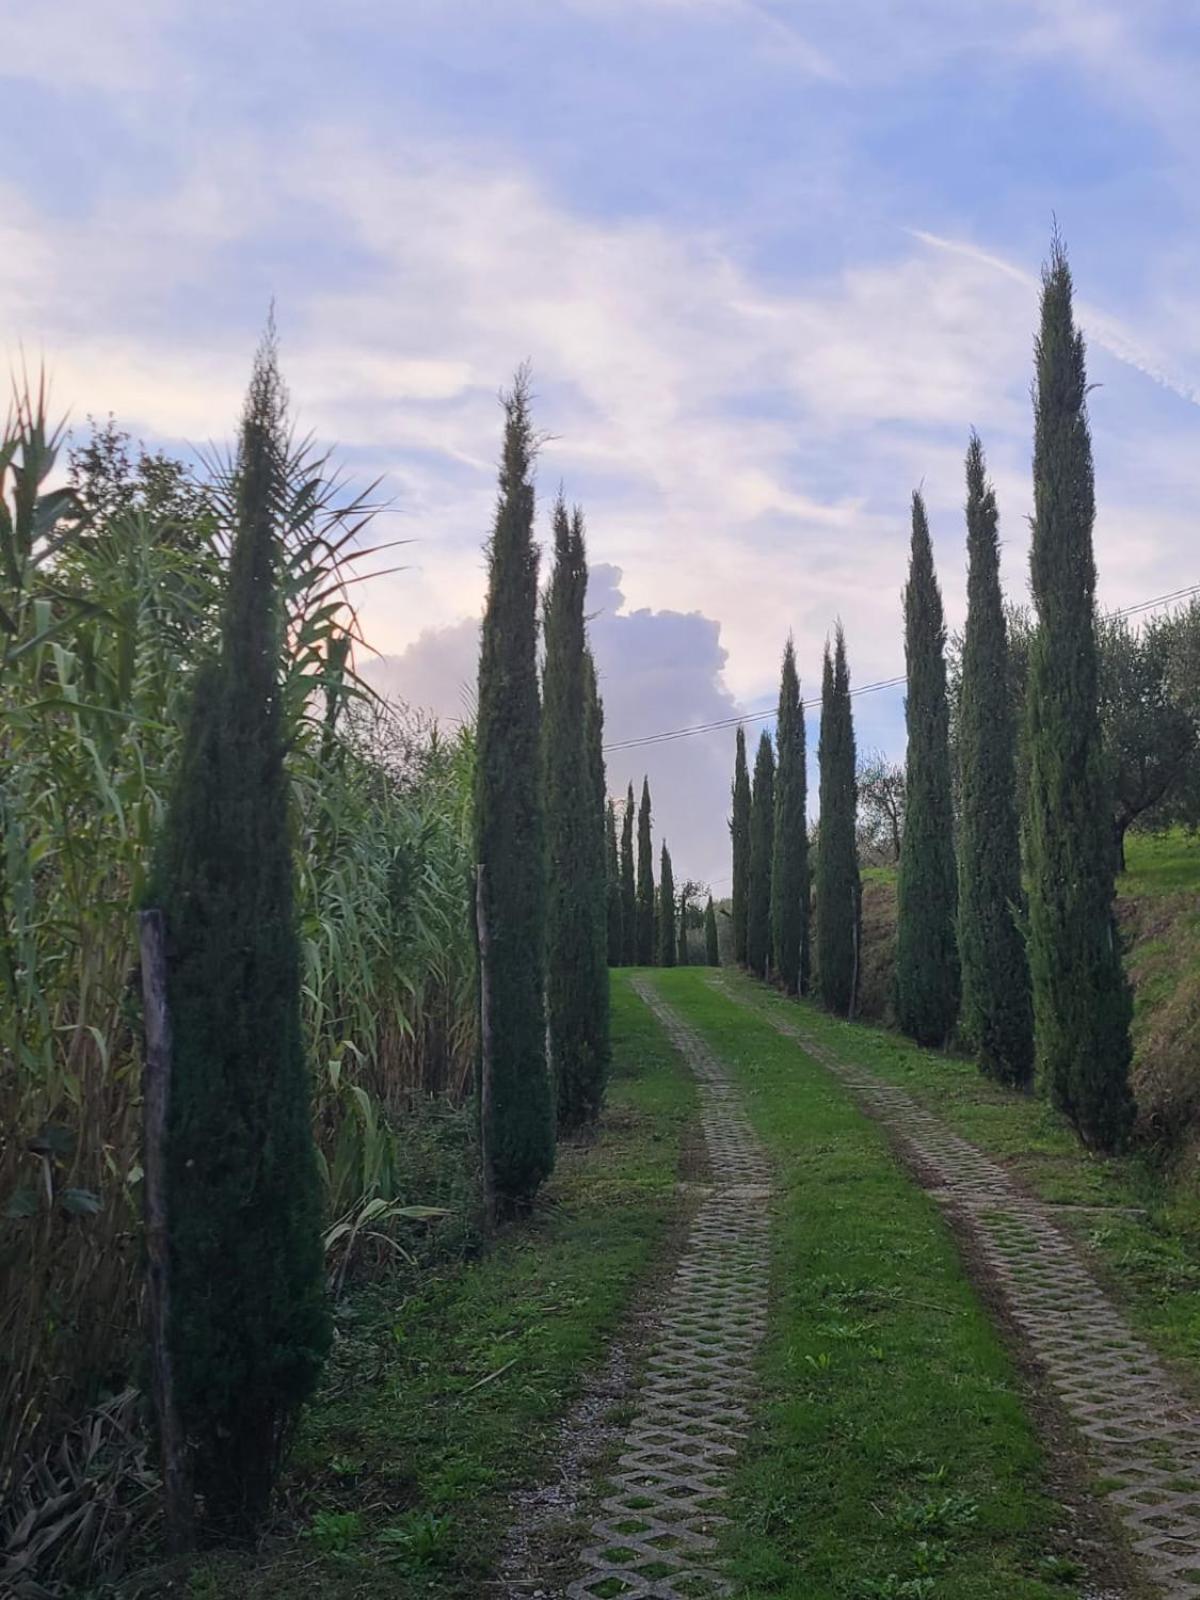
156,1091
484,938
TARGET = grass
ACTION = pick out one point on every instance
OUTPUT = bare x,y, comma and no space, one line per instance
1150,1258
1160,863
893,1458
435,1408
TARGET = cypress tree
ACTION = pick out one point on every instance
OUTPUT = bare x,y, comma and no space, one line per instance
927,978
683,938
600,1026
249,1322
1080,996
509,830
629,921
789,867
739,828
838,894
712,949
666,911
646,931
762,832
574,835
612,889
997,1008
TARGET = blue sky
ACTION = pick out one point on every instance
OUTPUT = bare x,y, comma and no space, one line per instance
770,263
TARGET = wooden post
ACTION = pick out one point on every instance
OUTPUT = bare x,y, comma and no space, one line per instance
484,938
156,1091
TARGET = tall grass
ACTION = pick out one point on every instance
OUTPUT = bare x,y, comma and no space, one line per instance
109,593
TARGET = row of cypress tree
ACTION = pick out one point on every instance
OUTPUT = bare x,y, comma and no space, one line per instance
647,926
1036,983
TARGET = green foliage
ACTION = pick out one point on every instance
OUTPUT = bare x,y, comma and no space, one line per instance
614,934
509,830
739,828
667,946
646,932
629,903
789,867
997,1007
1081,999
574,888
838,895
249,1325
927,971
599,989
712,953
762,850
684,908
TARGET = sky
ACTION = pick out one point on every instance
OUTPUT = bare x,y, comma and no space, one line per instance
769,263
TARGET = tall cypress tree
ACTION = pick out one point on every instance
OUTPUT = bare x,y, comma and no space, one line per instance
683,916
574,836
789,867
666,911
629,919
712,948
612,889
249,1323
599,1027
510,834
762,837
739,828
1080,996
838,893
997,1007
927,977
645,897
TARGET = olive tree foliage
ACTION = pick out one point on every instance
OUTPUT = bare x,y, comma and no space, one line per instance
881,788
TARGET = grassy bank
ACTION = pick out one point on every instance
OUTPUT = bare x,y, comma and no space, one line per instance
436,1406
1141,1225
893,1456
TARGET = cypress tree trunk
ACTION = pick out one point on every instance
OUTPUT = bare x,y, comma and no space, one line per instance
762,832
789,867
612,889
739,828
927,977
509,831
997,1009
1080,996
646,932
600,1026
712,949
838,894
249,1322
666,911
683,938
629,920
573,831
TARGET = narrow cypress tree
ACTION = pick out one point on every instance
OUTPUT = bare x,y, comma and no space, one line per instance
712,949
762,835
739,828
997,1008
600,1025
573,835
645,898
666,911
509,831
683,938
1080,996
927,979
629,920
789,867
838,894
612,889
249,1323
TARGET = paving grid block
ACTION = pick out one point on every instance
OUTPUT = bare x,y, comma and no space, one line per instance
654,1537
1139,1432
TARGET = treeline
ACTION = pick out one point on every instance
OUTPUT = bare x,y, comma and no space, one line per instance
1008,834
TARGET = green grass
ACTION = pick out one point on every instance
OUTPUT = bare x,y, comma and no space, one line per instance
893,1456
1151,1260
1160,863
435,1408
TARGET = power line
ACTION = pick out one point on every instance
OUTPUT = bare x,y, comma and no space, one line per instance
671,734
